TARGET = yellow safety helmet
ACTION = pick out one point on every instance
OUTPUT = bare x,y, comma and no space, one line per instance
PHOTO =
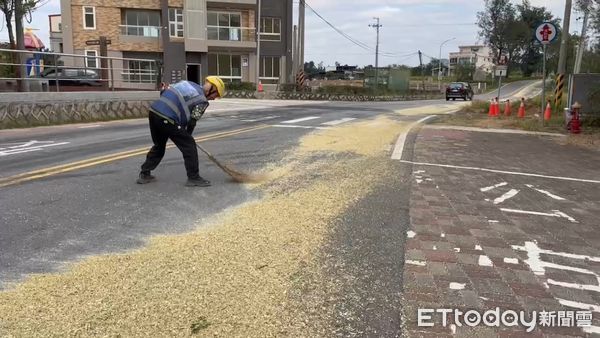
218,83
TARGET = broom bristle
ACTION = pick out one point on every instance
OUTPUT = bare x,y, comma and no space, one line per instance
237,176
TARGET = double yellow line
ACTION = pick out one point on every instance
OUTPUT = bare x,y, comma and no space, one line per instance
41,173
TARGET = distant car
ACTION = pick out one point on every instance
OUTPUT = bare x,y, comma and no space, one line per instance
73,77
461,90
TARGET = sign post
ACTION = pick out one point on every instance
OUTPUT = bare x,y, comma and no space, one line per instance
501,70
545,33
103,42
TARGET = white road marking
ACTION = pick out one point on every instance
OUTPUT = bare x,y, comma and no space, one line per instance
301,119
420,172
591,329
538,266
410,234
478,247
299,127
417,263
434,248
502,172
555,213
457,286
578,305
457,249
547,193
399,148
510,194
493,221
89,126
493,187
485,261
511,260
13,152
594,288
497,131
265,118
419,181
562,214
338,122
23,148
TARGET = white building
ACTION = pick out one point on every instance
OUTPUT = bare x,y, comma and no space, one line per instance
478,55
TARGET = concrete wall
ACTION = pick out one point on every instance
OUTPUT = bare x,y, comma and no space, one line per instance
583,87
26,110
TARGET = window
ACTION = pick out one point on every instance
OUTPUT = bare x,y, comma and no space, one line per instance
269,69
176,22
140,71
270,29
224,26
91,60
227,66
140,23
89,17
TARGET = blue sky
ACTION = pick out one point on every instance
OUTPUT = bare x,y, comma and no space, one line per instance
408,25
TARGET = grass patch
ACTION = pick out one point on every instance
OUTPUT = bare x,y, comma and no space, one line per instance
476,115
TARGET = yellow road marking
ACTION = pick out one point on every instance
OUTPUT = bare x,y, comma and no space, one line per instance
41,173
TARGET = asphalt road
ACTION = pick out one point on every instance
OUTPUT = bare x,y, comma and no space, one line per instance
68,192
87,207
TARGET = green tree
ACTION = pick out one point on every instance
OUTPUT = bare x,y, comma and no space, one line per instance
464,72
530,56
7,7
497,27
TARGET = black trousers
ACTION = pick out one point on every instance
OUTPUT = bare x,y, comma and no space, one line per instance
161,131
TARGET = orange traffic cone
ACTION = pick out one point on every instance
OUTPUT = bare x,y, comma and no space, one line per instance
260,87
507,111
548,112
491,110
522,109
496,108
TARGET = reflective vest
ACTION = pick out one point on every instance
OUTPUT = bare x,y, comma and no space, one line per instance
177,103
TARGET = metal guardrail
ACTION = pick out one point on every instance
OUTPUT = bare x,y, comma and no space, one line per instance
42,70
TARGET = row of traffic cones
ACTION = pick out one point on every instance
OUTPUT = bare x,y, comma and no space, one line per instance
494,110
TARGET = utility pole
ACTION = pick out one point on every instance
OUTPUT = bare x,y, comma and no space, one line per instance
562,59
377,26
258,23
301,29
19,13
422,69
583,37
295,58
440,64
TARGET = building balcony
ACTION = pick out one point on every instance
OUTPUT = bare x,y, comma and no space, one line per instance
241,37
148,36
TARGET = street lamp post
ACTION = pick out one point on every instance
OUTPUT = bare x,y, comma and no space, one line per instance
440,64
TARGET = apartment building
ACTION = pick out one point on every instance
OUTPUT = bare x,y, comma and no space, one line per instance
55,33
479,56
191,38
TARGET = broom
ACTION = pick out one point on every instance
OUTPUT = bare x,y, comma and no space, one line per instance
237,176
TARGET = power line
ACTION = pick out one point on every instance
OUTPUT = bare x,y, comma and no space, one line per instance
348,37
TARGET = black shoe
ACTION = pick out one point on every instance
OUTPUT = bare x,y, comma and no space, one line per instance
145,178
197,182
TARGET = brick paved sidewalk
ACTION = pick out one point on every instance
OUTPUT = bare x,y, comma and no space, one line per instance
480,239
